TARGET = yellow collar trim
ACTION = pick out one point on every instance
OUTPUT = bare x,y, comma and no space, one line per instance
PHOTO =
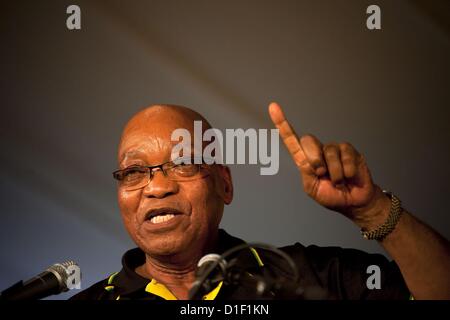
213,294
161,290
257,257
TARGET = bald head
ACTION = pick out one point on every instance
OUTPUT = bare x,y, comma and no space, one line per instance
158,122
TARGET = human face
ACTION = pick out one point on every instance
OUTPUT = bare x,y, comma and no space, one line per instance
196,205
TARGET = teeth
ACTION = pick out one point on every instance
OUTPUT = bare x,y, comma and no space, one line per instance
162,218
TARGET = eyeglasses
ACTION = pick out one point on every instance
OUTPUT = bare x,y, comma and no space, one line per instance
136,176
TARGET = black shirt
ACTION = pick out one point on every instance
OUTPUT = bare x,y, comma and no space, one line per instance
324,273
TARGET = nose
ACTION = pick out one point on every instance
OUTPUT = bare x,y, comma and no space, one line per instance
160,186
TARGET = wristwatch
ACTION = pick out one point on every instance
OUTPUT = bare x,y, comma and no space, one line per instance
386,228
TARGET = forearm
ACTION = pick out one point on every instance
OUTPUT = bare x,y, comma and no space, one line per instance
422,255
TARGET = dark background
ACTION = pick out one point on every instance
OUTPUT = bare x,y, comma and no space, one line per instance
65,96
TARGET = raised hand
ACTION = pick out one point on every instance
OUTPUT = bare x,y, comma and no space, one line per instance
335,175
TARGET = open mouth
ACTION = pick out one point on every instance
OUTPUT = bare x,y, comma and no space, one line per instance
161,215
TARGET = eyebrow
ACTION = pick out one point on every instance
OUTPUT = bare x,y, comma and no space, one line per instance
139,152
130,154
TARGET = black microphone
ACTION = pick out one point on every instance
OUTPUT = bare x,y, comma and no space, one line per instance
57,278
211,269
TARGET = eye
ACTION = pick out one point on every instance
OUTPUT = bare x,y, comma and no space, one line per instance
185,170
133,173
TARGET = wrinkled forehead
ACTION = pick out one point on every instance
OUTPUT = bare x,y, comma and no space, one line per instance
149,135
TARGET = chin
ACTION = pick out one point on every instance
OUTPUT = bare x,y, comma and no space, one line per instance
162,245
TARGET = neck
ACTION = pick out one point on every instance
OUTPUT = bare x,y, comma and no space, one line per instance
178,279
176,272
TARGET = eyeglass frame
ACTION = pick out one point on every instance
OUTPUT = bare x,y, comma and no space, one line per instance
175,163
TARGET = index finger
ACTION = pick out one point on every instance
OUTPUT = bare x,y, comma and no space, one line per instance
287,133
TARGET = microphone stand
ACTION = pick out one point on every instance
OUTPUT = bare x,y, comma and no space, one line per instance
238,276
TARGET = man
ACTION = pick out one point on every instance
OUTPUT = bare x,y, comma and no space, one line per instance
173,213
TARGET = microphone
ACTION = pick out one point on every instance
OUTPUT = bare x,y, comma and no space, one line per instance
58,278
211,269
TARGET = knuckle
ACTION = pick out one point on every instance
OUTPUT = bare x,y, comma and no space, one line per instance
301,163
348,161
330,145
306,137
330,150
361,159
350,173
315,163
346,146
337,177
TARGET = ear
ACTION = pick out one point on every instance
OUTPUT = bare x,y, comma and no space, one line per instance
226,184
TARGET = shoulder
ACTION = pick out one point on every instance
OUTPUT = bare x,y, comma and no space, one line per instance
324,256
345,271
351,258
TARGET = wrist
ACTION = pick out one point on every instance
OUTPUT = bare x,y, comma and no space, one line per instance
375,213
